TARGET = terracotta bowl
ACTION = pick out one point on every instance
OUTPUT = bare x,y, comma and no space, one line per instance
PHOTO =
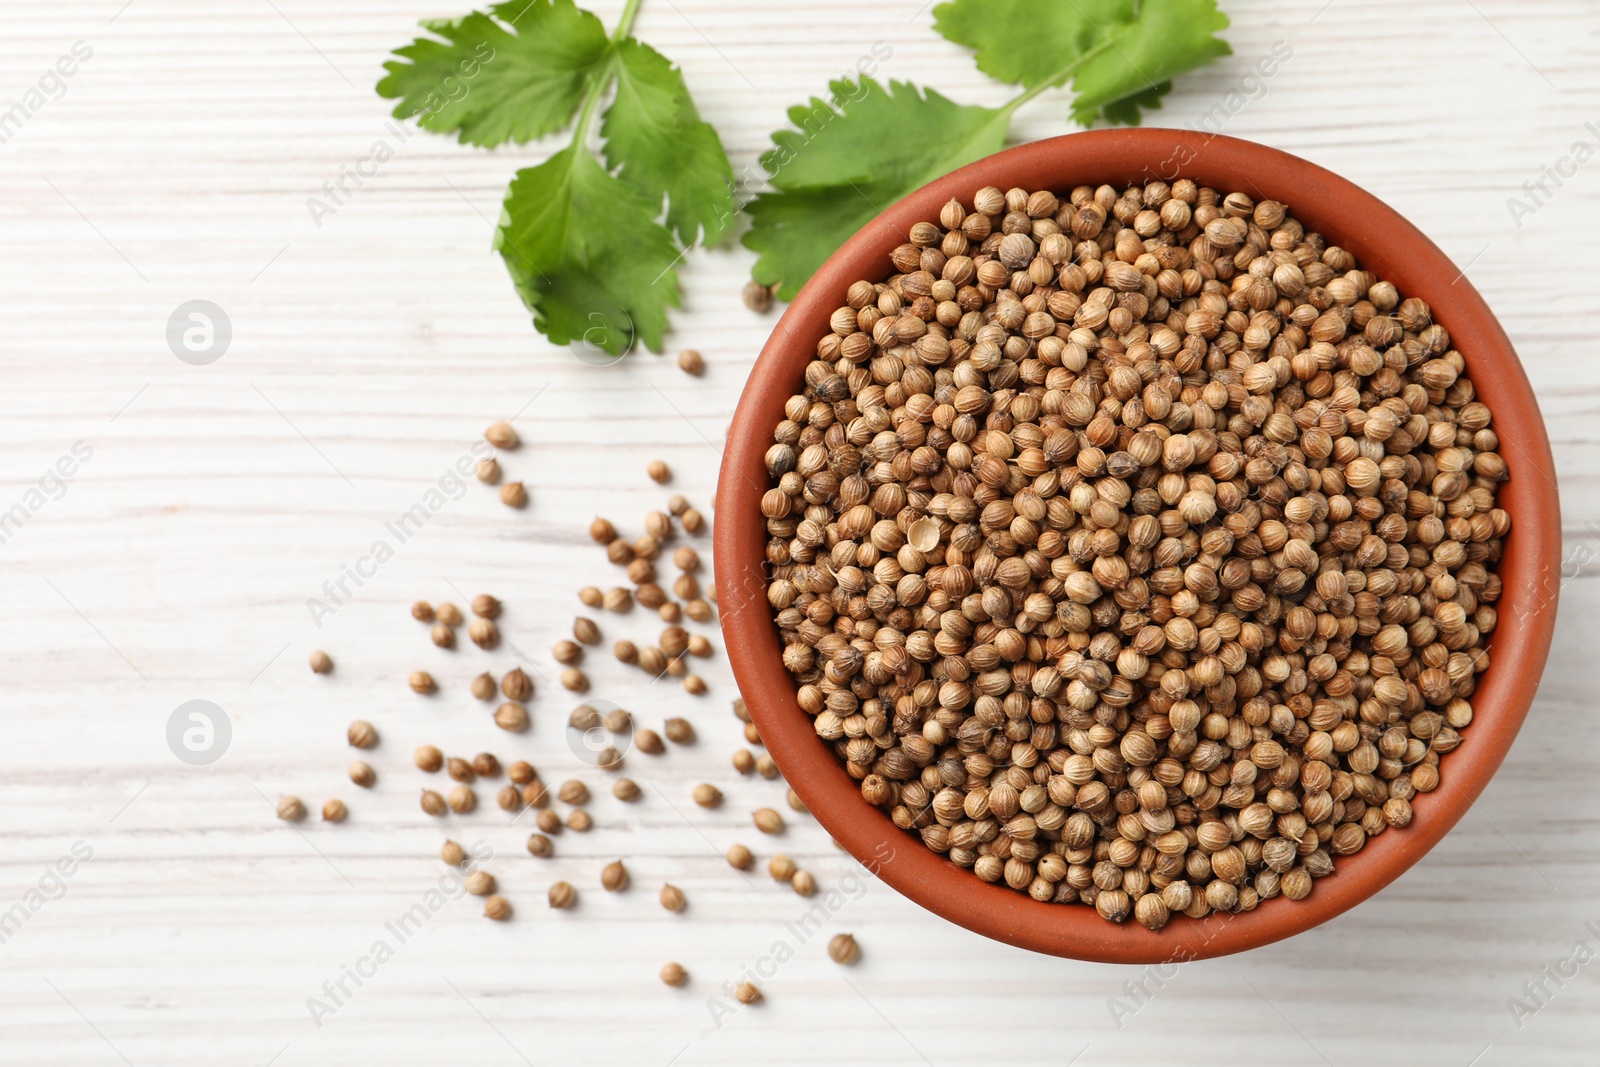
1382,242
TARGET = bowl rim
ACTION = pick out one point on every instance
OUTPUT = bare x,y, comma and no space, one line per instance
1383,242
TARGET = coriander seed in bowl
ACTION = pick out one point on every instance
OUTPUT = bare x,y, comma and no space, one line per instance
1132,547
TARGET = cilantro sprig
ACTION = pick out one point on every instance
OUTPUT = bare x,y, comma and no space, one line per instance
868,145
592,242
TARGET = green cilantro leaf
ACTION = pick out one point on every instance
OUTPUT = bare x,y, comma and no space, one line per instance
656,141
490,85
587,255
1167,38
850,157
1120,55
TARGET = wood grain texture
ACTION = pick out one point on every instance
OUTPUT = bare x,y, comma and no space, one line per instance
368,353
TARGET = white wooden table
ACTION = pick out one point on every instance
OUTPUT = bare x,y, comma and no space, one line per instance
366,356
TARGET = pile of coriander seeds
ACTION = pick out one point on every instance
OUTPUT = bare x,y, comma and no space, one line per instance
1136,548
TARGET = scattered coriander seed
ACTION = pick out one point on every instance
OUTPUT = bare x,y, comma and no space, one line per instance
362,734
608,759
334,810
803,883
649,742
502,435
321,662
432,802
586,630
842,949
463,799
694,685
489,470
658,525
744,761
562,895
739,857
485,606
449,614
766,766
650,595
679,731
625,789
484,633
428,758
443,636
497,908
452,854
460,769
291,808
752,735
673,974
618,721
584,717
591,596
691,362
796,804
707,795
671,612
422,611
782,868
677,668
746,993
573,791
672,898
626,652
740,710
768,821
685,558
539,845
362,774
757,297
485,765
692,521
421,682
483,686
516,685
697,609
699,646
480,883
652,660
614,876
617,599
620,552
674,641
514,495
677,503
521,772
659,472
549,822
511,716
567,653
534,794
602,531
685,587
574,680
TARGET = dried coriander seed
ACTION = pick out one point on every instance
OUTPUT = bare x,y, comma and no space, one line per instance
803,883
782,868
334,810
795,803
480,883
602,531
449,614
584,717
497,908
291,808
586,630
697,609
739,857
567,653
484,633
659,472
767,821
502,435
483,686
485,606
756,297
746,993
549,822
699,646
679,731
432,802
626,652
574,680
362,734
321,662
766,766
692,521
511,716
362,774
614,876
428,758
617,599
421,682
514,495
422,611
516,685
562,895
485,765
707,795
488,470
673,974
691,362
573,791
625,789
452,854
460,770
672,898
591,596
521,772
649,742
842,949
443,636
744,761
694,685
539,845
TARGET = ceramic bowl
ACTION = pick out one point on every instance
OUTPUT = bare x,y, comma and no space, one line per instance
1383,242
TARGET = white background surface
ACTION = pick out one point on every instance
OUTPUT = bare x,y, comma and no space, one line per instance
368,354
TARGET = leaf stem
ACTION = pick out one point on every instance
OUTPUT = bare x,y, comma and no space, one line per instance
591,102
630,11
1055,80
